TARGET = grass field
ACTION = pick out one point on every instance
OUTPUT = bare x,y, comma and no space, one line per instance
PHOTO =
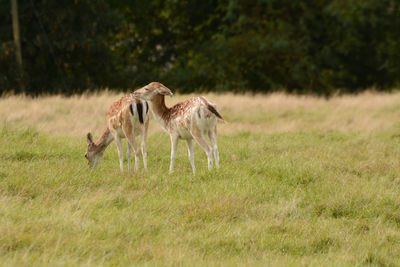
304,181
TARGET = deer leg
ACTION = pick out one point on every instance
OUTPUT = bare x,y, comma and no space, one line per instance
190,146
174,147
132,142
120,152
128,156
199,137
144,148
135,146
213,138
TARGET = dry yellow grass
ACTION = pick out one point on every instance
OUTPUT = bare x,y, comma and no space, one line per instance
75,116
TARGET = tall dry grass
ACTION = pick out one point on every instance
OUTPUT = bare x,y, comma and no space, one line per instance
278,112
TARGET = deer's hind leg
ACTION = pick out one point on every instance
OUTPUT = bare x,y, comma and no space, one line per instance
129,156
128,131
198,135
144,148
190,146
213,138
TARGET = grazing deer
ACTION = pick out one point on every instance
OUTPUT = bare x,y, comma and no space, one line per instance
194,118
127,117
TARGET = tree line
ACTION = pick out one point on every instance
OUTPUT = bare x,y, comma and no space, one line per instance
301,46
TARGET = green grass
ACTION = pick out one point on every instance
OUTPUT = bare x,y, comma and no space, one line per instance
302,198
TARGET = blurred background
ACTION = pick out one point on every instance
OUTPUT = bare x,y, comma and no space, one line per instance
297,46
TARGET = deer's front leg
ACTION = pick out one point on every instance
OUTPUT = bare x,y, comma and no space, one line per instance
174,147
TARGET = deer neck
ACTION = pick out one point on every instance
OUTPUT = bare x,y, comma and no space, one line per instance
104,140
160,110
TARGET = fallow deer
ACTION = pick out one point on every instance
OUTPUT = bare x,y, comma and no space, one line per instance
194,118
127,117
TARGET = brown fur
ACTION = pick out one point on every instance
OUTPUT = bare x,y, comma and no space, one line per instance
194,118
119,119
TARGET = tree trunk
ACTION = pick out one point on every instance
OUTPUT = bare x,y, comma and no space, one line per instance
17,42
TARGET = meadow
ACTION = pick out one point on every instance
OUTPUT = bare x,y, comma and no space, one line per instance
304,181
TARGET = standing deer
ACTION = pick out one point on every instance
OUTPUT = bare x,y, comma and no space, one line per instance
127,117
194,118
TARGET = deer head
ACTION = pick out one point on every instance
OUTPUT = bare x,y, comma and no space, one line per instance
152,90
93,153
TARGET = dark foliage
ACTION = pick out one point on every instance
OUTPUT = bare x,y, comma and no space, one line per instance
307,46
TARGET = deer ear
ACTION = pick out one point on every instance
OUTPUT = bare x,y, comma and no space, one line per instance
164,91
89,138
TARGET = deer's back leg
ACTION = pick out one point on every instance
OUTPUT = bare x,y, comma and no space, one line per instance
128,156
144,139
213,138
190,145
128,131
198,135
